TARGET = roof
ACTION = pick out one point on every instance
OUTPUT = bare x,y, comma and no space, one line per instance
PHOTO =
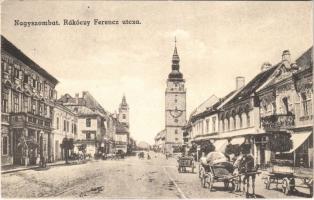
305,60
209,110
205,105
120,128
10,48
85,111
253,85
87,100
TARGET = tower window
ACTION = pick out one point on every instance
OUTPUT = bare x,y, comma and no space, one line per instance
123,116
88,122
176,131
176,120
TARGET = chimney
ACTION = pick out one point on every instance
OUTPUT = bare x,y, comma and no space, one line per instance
286,56
240,82
265,66
76,98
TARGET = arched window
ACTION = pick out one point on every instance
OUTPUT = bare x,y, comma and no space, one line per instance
248,120
234,122
240,121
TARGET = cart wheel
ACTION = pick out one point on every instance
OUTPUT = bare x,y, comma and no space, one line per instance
285,186
267,183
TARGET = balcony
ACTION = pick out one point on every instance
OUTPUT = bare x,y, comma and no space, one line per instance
21,119
278,122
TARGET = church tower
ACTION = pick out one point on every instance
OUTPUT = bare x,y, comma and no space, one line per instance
175,105
124,112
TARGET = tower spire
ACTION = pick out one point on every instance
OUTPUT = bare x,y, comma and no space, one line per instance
175,73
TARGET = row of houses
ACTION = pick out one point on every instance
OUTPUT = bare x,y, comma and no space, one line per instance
34,121
272,112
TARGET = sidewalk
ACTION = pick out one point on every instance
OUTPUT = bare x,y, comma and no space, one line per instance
17,168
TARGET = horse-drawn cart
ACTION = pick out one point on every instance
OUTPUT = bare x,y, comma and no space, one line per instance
286,176
184,162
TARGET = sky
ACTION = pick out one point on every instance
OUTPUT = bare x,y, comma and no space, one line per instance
216,42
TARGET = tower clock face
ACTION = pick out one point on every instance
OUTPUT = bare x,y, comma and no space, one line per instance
176,113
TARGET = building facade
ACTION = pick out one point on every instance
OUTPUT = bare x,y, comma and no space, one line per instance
91,121
175,105
286,108
64,126
27,101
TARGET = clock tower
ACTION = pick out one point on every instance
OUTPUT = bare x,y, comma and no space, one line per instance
175,105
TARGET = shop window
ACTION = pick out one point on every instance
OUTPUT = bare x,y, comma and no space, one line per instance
5,145
4,102
88,122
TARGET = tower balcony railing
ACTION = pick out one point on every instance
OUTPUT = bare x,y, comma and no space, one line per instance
279,121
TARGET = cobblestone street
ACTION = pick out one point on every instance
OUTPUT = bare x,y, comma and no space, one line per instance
155,178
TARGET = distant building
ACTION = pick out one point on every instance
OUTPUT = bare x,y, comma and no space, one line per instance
160,141
27,101
91,121
122,134
175,106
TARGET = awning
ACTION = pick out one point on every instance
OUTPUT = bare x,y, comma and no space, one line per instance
239,140
298,139
220,145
